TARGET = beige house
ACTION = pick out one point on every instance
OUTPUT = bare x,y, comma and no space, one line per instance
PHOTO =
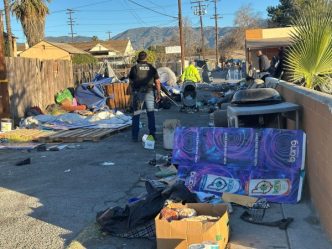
118,52
46,50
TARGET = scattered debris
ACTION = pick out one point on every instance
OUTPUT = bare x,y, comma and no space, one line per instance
24,162
241,200
148,142
166,171
108,163
281,224
57,147
67,171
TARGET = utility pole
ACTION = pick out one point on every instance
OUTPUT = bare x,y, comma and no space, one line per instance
216,16
200,9
181,34
1,22
71,23
8,27
109,35
4,95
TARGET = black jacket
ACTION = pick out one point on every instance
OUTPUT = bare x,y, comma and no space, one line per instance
143,76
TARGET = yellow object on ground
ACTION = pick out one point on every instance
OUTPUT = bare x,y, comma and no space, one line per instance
191,74
24,135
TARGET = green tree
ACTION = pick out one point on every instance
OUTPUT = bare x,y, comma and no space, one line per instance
83,59
309,59
151,56
282,14
94,38
32,15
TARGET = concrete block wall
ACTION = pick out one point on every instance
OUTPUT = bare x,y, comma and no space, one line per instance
317,123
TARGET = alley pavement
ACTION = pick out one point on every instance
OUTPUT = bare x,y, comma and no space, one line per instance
52,202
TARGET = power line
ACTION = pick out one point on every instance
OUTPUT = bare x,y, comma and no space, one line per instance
151,9
133,13
71,23
81,6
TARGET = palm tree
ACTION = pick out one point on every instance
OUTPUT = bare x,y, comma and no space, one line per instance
32,15
94,38
8,27
309,59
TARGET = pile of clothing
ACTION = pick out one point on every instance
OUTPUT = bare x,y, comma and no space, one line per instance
136,219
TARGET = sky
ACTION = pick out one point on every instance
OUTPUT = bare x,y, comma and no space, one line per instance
97,17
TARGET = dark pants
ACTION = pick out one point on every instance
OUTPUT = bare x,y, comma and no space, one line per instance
141,100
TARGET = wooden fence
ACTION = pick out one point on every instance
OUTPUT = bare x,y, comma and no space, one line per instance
33,82
86,72
120,96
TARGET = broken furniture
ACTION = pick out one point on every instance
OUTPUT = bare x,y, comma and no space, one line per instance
234,112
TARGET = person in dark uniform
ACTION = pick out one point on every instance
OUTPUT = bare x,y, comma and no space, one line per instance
144,80
281,61
263,62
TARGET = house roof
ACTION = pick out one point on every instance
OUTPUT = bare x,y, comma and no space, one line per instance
85,46
119,45
113,45
67,47
268,43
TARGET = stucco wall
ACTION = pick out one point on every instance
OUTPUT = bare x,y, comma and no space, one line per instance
317,123
256,34
276,32
45,51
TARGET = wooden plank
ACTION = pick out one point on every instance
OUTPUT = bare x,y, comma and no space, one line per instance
123,96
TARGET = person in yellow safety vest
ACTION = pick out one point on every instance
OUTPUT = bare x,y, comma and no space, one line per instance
191,73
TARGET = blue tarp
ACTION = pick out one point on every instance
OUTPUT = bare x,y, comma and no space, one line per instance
92,94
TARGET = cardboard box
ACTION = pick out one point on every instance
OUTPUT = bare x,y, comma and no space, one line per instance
180,234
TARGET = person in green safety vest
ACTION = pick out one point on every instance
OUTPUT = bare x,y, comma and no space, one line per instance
191,73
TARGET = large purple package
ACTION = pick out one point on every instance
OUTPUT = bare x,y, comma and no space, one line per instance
282,149
215,179
259,162
185,145
226,146
283,186
240,146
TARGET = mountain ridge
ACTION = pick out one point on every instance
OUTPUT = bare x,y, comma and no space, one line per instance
144,37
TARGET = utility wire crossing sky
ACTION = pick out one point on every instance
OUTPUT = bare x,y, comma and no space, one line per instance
99,18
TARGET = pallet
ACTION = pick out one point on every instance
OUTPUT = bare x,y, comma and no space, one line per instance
25,135
80,135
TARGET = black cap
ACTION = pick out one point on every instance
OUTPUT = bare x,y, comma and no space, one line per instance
142,56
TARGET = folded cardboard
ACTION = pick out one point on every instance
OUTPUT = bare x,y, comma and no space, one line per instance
180,234
242,200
